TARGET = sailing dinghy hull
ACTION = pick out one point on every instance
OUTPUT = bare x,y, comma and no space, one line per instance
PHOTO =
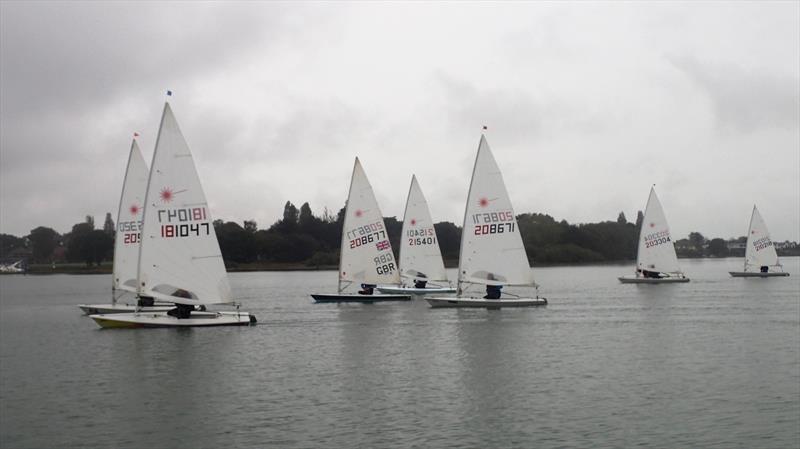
364,299
643,280
751,274
485,303
416,291
104,309
161,319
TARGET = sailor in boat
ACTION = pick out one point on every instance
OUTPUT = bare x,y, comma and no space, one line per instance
650,274
146,301
493,291
181,310
419,283
764,269
366,289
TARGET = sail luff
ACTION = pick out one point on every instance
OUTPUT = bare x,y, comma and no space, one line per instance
405,219
139,283
115,262
356,164
460,279
127,232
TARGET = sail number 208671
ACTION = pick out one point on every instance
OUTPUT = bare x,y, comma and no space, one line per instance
493,222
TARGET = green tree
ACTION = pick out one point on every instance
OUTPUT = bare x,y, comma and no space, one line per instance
108,225
43,242
698,241
250,226
717,248
621,218
97,247
9,243
307,222
289,222
449,236
236,243
77,249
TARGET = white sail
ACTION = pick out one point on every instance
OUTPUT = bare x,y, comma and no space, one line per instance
656,250
179,260
366,255
129,222
760,251
420,256
491,246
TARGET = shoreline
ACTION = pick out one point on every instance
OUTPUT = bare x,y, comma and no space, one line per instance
45,269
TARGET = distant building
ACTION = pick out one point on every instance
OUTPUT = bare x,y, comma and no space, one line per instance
736,246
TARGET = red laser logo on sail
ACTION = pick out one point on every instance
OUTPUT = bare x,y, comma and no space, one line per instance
413,222
359,213
134,209
483,202
166,194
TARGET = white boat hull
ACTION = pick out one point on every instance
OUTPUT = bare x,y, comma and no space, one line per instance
104,309
644,280
354,297
161,319
757,274
391,289
485,303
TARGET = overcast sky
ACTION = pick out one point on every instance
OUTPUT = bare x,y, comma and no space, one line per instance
588,104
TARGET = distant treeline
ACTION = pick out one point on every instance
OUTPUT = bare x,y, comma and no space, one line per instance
301,238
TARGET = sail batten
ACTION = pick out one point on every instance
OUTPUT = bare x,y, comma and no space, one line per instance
180,259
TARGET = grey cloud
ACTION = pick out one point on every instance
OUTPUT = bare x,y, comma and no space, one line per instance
746,98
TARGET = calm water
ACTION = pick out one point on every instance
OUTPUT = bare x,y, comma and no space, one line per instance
712,363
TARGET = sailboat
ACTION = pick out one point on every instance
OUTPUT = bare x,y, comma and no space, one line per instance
492,253
366,254
760,257
420,257
126,243
14,267
179,256
656,261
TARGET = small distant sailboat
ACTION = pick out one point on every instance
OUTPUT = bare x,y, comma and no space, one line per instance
179,257
656,261
366,255
126,242
420,257
492,253
13,267
760,257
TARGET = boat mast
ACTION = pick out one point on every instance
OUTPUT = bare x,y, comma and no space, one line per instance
139,285
344,221
119,214
402,236
459,283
